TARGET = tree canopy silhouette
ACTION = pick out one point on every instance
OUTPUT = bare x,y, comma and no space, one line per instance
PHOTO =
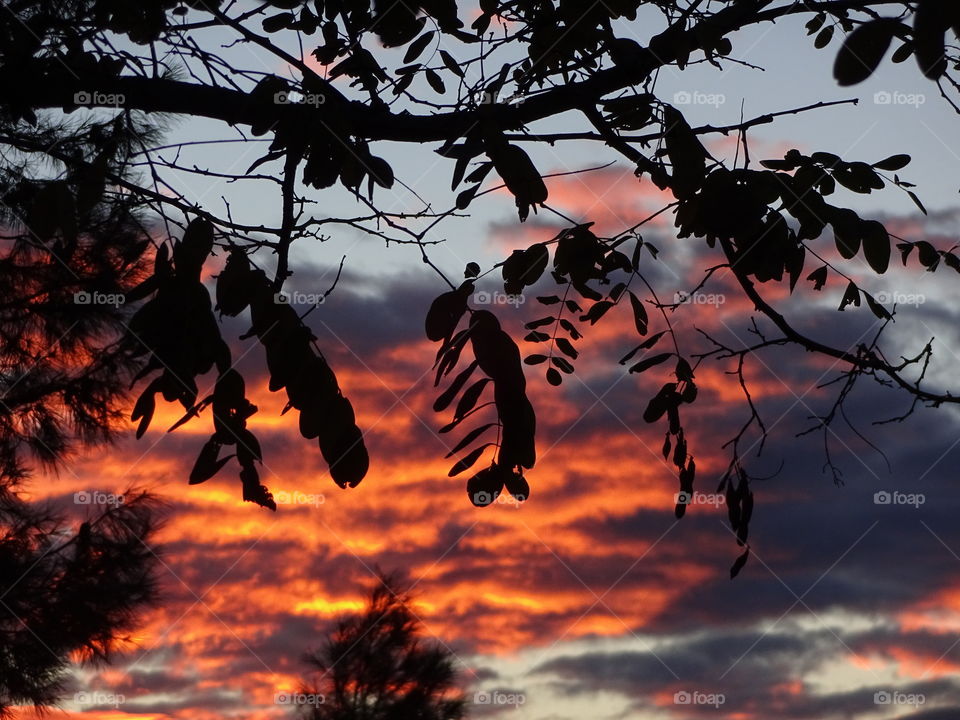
375,665
68,593
83,78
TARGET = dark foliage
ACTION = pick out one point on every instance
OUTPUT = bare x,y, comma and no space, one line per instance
68,592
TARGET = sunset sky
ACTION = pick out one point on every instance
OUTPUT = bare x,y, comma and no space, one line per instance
590,600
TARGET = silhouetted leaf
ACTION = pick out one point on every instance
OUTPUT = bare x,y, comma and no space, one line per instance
640,318
524,267
468,460
927,254
435,81
930,25
876,245
659,403
446,397
485,487
851,296
815,23
824,37
818,277
451,64
567,348
278,22
570,328
445,313
876,308
596,311
863,50
902,53
207,464
739,563
651,341
649,362
417,47
517,486
470,397
466,197
894,162
469,438
916,201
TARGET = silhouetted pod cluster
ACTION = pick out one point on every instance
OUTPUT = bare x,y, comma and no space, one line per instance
294,364
498,357
178,330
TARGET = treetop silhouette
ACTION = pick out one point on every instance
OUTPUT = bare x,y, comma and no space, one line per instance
376,665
